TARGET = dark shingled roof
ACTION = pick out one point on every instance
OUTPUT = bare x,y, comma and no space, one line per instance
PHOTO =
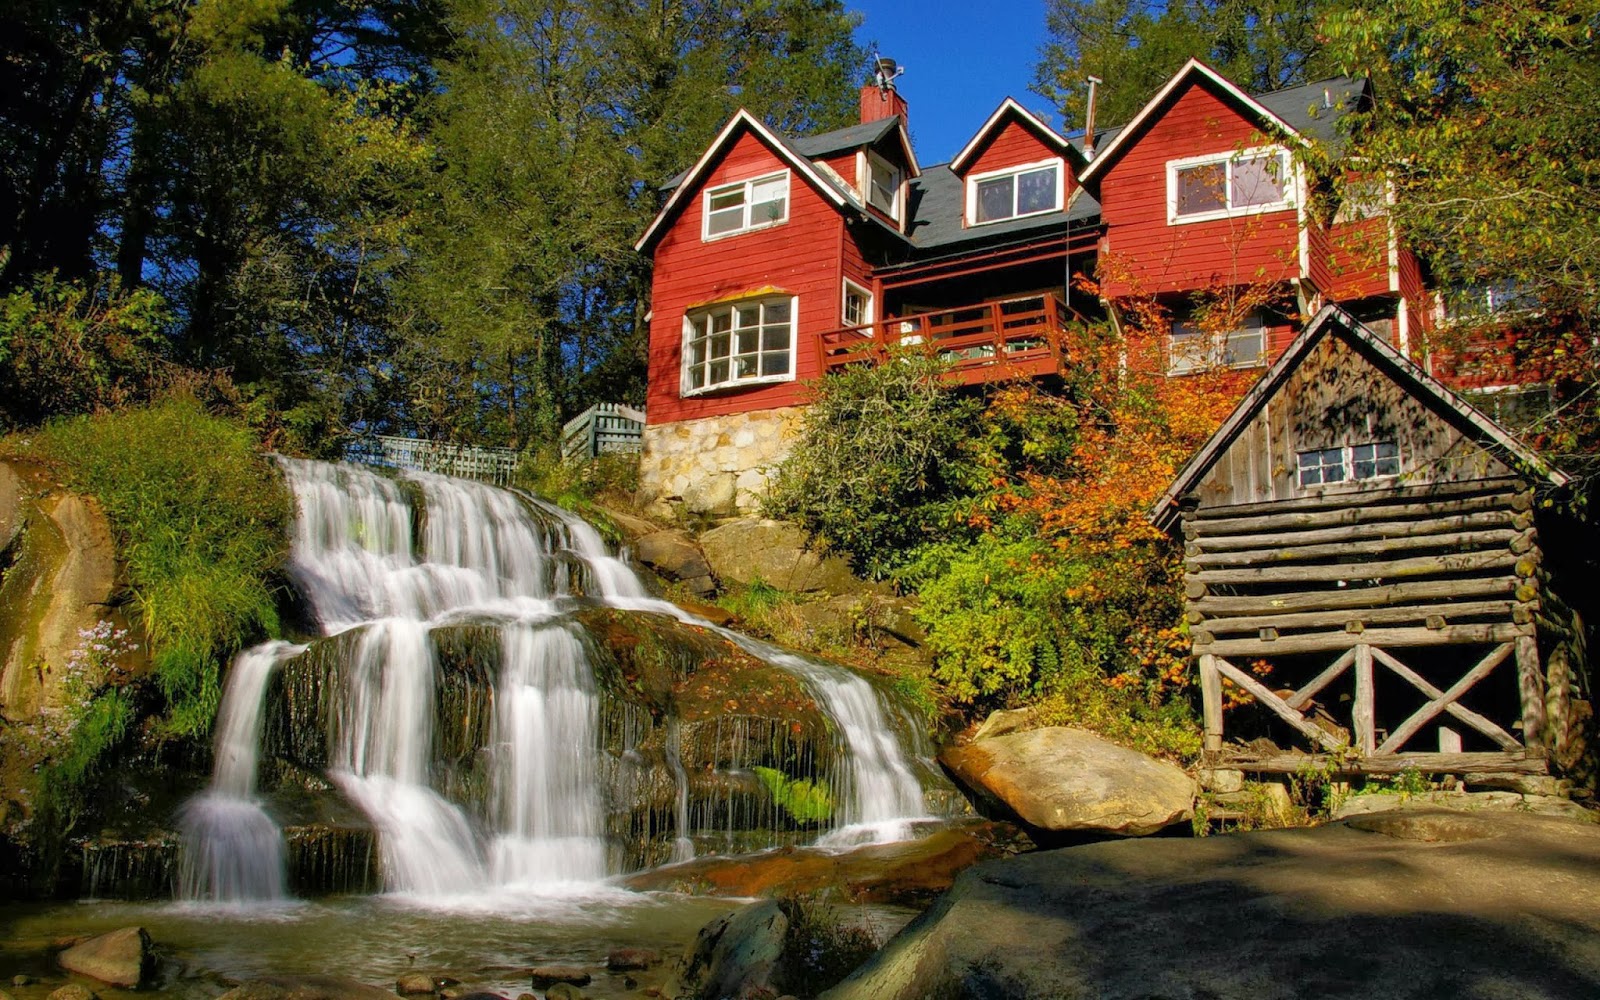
1315,109
846,138
936,216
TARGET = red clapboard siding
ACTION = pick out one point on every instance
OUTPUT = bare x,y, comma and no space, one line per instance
844,164
1014,144
800,256
1358,259
1164,258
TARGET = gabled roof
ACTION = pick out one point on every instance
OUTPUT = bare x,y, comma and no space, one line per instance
1335,322
856,136
1289,112
1010,110
743,121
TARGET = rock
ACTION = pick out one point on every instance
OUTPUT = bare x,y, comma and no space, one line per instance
12,509
72,991
1330,912
549,975
120,958
479,994
563,991
1221,779
905,874
710,612
1005,722
633,527
1540,805
630,959
255,991
776,553
416,983
735,954
885,622
674,556
318,987
1061,780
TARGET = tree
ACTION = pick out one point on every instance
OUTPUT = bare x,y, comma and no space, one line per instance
1134,46
1486,125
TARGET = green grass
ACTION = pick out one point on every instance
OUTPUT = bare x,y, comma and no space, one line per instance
200,518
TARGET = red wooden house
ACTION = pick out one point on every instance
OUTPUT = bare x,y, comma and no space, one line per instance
777,259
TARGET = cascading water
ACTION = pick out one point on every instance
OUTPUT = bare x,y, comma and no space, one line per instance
366,556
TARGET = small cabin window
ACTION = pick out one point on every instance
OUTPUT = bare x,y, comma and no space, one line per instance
1372,460
1032,189
1217,186
857,305
753,204
883,186
740,342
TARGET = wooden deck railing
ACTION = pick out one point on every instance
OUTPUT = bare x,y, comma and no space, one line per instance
1018,338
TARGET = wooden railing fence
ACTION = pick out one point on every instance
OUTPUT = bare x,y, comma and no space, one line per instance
492,465
603,429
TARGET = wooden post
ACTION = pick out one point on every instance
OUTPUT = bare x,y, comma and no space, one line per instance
1364,715
1558,698
1530,681
997,317
1211,700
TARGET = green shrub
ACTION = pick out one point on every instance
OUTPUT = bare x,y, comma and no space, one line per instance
881,462
821,946
805,801
200,520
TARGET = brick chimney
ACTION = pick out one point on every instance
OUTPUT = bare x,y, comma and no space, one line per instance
880,99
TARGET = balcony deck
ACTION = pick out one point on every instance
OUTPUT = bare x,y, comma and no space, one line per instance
987,342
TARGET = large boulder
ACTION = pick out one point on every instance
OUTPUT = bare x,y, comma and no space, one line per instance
775,553
1059,780
120,958
736,954
674,556
1488,904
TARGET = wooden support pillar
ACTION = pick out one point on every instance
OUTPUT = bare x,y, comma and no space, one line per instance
1211,701
1558,698
1530,681
1364,713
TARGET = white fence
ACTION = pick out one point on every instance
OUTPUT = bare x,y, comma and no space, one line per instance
493,465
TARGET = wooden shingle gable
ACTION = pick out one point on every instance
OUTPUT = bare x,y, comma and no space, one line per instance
1331,343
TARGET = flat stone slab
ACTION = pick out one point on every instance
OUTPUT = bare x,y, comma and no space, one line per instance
1404,905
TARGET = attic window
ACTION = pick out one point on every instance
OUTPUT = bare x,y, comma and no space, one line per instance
883,186
1216,186
753,204
1372,460
1031,189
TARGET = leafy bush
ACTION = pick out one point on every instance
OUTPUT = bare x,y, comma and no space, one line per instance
68,347
821,947
200,519
881,462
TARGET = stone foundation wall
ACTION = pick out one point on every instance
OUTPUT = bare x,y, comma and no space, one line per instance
714,465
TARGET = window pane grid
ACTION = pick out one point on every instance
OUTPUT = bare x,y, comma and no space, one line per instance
1371,460
740,342
751,204
1025,192
1259,180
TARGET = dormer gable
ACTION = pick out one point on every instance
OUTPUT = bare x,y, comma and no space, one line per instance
1015,166
786,160
874,159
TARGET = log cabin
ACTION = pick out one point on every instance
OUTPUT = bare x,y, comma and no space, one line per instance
1365,561
778,259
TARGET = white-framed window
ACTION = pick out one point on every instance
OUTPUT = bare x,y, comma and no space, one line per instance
738,343
1486,300
1218,185
883,186
1015,192
1191,349
731,209
857,309
1348,463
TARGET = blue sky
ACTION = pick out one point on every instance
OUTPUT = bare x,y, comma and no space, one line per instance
961,60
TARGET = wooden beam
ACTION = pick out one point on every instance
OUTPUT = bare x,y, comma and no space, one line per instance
1272,702
1558,698
1211,701
1355,532
1464,562
1364,712
1507,762
1354,597
1530,684
1353,510
1287,551
1301,698
1317,642
1373,496
1405,614
1447,701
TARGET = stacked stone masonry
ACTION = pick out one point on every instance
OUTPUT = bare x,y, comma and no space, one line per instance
714,465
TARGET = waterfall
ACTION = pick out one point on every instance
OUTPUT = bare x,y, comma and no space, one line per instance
398,558
233,851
